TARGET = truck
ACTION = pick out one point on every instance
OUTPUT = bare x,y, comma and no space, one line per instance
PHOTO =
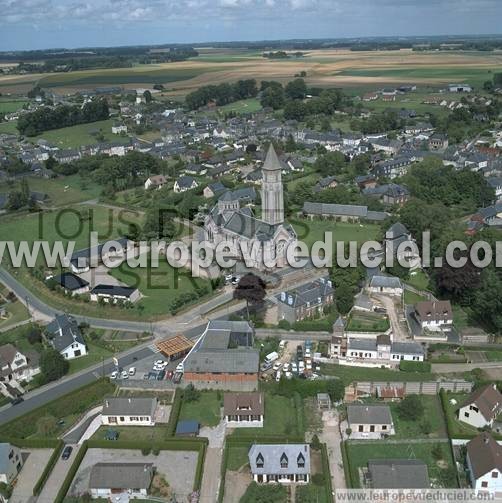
270,358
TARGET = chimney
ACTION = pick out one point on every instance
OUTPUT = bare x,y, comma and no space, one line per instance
129,400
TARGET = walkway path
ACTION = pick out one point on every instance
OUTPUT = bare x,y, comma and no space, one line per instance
332,438
212,476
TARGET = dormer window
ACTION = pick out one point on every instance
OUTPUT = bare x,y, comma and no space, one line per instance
300,460
284,460
260,461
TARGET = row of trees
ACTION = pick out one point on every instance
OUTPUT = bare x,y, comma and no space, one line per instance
221,94
45,118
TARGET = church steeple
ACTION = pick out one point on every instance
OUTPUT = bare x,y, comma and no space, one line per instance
271,193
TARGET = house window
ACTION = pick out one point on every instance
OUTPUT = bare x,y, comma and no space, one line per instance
259,461
300,460
384,426
284,460
361,427
484,484
495,475
466,414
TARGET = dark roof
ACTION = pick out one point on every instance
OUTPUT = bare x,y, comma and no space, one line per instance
434,310
121,476
187,426
116,406
185,181
272,162
487,399
114,290
314,293
64,331
71,281
398,474
369,414
252,403
485,454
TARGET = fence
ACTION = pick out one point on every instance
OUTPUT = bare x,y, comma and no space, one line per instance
291,335
416,387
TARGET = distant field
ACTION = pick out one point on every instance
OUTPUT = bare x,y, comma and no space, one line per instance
328,68
242,107
9,127
75,136
8,106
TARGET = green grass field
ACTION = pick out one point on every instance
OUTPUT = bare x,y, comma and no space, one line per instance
205,410
371,322
76,136
9,106
9,128
242,107
154,434
16,312
360,453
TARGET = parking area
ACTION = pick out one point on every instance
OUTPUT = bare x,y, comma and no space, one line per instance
177,467
476,357
35,461
146,368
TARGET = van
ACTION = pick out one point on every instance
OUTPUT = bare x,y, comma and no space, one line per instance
271,357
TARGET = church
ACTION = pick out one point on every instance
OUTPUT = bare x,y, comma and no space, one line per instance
265,238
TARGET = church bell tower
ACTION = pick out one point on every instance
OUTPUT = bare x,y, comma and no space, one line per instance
272,202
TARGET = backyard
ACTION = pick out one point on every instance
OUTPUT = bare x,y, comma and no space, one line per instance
360,321
205,409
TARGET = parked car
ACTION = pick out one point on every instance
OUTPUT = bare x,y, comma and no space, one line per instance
161,375
288,375
124,374
132,371
179,367
114,374
294,367
285,367
17,400
277,366
278,376
66,452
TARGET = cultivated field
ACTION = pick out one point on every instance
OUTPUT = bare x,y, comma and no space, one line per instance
341,68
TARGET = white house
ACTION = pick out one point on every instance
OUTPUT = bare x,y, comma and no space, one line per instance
119,128
244,409
155,182
484,463
11,462
122,411
65,336
184,183
388,285
15,365
107,480
482,407
111,294
282,463
366,419
434,314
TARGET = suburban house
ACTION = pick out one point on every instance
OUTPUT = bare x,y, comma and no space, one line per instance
438,141
282,463
328,182
434,314
484,463
244,409
459,88
392,168
114,293
82,260
399,243
11,462
15,365
155,182
214,189
364,419
389,285
398,474
305,301
184,183
482,407
123,411
382,349
223,357
107,480
65,336
390,193
342,212
71,283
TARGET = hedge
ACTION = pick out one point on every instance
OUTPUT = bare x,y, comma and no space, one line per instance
65,486
326,471
175,412
37,488
408,366
199,470
346,465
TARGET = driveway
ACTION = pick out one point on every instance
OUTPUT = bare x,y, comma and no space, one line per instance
331,437
35,461
396,317
212,465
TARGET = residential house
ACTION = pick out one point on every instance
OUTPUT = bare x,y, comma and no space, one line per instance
392,168
65,336
391,193
382,144
115,293
389,285
119,128
107,480
305,301
195,169
434,314
438,141
282,463
398,474
155,182
328,182
366,419
496,183
484,464
132,411
82,260
66,156
244,409
482,407
11,462
381,350
71,283
17,366
214,189
342,212
223,357
459,88
399,243
184,183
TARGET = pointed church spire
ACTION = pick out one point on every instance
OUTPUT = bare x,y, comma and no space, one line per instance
272,162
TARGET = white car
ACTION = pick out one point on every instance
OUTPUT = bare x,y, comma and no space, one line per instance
114,374
285,367
308,366
277,366
278,376
301,365
160,362
288,375
294,367
132,371
124,374
179,367
282,344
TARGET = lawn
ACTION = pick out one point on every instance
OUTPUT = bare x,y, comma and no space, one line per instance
67,408
237,456
18,337
460,317
205,410
95,355
16,312
361,374
76,136
160,286
9,106
412,297
418,279
359,453
311,231
248,106
9,127
455,427
156,433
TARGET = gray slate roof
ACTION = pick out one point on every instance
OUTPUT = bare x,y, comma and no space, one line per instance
122,406
308,293
5,465
385,282
64,331
121,476
369,414
272,454
398,474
